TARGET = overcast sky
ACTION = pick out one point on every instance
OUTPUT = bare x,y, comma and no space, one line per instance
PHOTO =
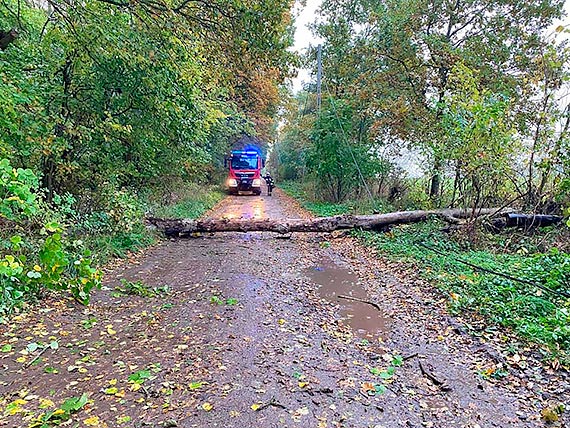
304,38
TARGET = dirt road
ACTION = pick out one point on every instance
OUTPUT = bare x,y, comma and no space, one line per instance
252,333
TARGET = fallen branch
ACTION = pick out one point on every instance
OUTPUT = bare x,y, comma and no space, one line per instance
189,227
38,356
356,299
271,402
435,380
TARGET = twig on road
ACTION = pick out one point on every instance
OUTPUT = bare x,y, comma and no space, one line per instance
271,402
444,386
37,356
356,299
409,357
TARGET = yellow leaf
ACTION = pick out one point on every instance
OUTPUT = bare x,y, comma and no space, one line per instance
92,421
207,406
281,321
303,384
113,382
45,403
135,386
120,394
110,330
255,407
21,359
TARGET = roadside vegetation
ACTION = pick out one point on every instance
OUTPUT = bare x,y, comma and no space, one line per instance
446,112
514,279
54,248
111,111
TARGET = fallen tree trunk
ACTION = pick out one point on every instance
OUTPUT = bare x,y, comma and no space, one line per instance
186,227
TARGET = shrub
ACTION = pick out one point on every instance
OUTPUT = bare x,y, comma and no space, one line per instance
45,259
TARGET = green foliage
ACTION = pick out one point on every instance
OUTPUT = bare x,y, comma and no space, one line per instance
44,260
478,140
530,312
17,197
325,209
62,414
102,98
339,156
138,288
193,200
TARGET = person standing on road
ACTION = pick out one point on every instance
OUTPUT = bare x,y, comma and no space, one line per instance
270,183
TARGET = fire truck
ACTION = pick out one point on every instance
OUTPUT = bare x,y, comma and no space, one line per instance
244,172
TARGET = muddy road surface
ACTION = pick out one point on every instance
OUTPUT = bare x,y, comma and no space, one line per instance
259,330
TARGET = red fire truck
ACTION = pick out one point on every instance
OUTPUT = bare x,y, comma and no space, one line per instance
244,172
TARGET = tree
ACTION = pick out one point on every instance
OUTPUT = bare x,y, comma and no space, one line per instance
339,155
393,59
123,94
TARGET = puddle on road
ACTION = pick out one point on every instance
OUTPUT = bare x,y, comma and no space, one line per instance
250,209
365,319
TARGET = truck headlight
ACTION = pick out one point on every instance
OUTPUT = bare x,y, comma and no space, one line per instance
256,182
232,182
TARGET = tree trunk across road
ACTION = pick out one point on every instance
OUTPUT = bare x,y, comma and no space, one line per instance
186,227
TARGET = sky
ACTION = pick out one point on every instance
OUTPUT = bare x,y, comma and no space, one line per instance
304,37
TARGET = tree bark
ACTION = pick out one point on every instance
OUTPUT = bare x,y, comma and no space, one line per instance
7,37
186,227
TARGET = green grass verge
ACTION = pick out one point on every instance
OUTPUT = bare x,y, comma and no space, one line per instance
326,209
194,204
533,314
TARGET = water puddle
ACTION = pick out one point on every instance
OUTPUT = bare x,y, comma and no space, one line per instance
333,281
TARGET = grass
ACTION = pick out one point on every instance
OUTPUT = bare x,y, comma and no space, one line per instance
105,247
533,314
193,203
326,209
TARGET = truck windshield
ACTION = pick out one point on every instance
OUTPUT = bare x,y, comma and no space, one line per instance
244,162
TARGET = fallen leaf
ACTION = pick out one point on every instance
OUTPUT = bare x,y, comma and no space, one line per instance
92,421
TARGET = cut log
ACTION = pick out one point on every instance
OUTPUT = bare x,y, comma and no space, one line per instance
531,220
187,227
527,221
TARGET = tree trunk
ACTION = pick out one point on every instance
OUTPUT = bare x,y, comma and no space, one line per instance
186,227
7,37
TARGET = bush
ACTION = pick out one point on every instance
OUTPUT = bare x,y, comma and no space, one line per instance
531,312
46,259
